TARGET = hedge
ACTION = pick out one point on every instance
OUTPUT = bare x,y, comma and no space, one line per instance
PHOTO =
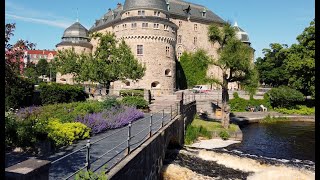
285,97
137,102
61,93
132,92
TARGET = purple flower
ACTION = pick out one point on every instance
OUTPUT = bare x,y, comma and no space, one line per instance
110,119
27,112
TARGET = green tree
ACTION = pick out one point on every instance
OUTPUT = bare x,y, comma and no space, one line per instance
235,62
300,62
195,66
30,72
112,63
272,67
43,68
18,91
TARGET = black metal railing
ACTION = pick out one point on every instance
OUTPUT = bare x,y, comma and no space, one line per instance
151,125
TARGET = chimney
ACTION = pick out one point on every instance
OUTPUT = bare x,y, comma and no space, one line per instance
119,5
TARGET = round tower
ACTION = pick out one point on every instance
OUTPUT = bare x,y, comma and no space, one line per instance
241,34
152,37
76,36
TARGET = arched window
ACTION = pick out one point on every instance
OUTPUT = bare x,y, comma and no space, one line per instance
155,84
167,72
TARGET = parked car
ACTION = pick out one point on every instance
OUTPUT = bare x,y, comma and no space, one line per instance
200,89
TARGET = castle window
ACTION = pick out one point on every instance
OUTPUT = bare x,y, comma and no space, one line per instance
195,40
156,26
124,26
166,27
196,27
141,12
180,23
156,13
179,55
179,38
144,25
167,72
139,49
155,84
167,50
133,25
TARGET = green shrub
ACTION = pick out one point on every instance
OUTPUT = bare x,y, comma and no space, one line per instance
224,134
90,175
235,95
66,133
193,132
19,94
137,102
285,97
240,104
132,92
301,110
10,129
110,102
61,93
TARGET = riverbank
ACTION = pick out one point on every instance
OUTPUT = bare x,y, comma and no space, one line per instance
242,118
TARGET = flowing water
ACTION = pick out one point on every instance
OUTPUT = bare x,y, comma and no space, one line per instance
266,152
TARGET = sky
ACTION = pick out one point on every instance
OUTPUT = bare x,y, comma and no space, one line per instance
266,21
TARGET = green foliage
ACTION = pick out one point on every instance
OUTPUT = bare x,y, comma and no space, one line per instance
235,95
90,175
195,66
133,92
66,133
42,68
293,66
138,102
301,110
269,119
10,129
272,67
235,60
67,112
224,134
239,104
193,132
110,102
19,93
61,93
285,97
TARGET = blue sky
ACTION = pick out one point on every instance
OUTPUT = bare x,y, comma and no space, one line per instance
43,21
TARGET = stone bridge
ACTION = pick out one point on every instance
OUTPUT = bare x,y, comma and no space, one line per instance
146,161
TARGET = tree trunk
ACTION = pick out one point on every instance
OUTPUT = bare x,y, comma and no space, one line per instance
107,85
225,99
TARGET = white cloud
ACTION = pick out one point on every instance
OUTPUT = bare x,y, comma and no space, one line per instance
38,20
19,12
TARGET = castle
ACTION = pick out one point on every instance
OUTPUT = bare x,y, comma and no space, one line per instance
158,32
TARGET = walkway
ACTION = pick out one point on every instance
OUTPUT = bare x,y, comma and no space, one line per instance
115,143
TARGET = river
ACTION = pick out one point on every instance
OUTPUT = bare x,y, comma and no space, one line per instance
266,152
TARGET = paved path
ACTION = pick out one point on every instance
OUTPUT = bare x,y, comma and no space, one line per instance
116,144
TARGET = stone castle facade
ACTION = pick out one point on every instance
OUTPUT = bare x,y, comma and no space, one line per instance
158,32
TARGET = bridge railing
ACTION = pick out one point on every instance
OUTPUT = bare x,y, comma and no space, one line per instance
136,135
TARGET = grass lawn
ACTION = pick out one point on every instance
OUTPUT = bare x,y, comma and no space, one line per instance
213,126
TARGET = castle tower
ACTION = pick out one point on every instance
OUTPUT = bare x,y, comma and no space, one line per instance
145,27
76,36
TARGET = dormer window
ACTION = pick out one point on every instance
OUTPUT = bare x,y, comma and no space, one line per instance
141,12
204,12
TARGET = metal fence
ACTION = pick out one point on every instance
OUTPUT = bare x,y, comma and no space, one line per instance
115,147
